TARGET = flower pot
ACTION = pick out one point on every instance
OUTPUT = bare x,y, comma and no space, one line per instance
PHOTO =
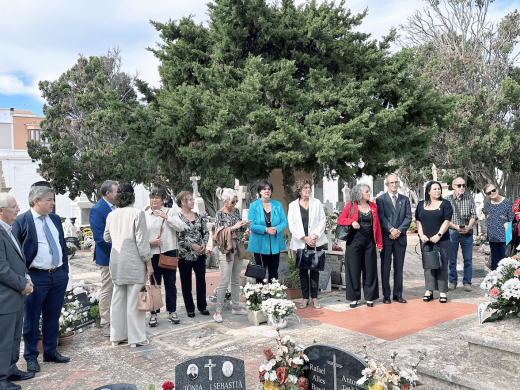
40,344
276,322
98,322
343,279
66,340
293,293
256,317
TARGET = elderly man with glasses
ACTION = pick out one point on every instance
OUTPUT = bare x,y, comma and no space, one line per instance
461,233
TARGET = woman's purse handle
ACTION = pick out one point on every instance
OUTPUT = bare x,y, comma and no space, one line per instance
160,232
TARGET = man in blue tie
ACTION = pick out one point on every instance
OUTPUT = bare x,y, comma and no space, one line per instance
98,219
40,233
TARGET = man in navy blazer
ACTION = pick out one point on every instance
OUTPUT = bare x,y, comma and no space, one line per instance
15,285
97,220
395,216
40,233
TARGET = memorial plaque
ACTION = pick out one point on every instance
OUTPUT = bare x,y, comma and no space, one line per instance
325,277
84,307
211,373
332,368
73,240
335,262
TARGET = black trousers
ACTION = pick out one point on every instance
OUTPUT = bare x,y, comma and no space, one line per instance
271,262
169,276
361,260
185,271
11,331
398,251
304,279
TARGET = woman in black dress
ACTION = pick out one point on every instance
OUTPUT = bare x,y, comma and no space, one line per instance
433,216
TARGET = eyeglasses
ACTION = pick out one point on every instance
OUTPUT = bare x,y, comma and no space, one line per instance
12,207
460,185
233,202
393,182
491,192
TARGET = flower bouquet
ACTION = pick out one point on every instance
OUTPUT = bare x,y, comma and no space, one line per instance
69,317
503,285
284,369
71,249
253,294
276,310
273,290
378,377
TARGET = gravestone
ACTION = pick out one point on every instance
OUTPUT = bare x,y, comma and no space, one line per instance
323,283
335,262
118,386
340,206
211,373
328,206
332,368
73,240
84,307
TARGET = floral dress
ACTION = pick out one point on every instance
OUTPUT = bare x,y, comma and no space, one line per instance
223,219
195,232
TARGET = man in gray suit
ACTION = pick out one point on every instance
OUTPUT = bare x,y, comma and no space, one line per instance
395,216
14,286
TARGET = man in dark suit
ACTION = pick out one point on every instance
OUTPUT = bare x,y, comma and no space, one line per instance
43,244
15,285
395,216
98,219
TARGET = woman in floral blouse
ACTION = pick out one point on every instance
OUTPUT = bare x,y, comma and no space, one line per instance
229,217
192,254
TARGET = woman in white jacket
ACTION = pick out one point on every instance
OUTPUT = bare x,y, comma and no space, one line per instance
306,219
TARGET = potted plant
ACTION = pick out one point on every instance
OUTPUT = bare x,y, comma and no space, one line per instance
412,229
69,317
94,313
253,295
291,280
71,249
277,310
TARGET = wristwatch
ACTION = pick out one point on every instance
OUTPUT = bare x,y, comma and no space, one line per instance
440,235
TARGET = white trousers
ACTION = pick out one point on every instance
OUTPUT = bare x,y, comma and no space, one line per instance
229,271
126,322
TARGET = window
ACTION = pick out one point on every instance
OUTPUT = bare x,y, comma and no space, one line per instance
35,134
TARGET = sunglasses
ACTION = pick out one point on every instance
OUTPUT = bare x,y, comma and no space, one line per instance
233,202
460,185
491,192
393,182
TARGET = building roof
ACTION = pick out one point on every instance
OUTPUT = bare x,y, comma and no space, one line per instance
19,112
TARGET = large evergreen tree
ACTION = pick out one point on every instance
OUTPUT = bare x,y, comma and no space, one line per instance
268,86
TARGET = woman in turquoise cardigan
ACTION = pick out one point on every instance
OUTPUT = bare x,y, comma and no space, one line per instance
268,221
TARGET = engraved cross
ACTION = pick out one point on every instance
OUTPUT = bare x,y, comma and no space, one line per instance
210,366
334,365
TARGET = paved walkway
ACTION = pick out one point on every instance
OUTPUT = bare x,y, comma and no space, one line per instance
405,328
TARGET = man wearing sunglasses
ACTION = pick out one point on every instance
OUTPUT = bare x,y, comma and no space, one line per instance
461,233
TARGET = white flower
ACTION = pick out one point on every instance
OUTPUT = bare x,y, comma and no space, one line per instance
361,380
266,376
305,358
269,366
262,367
272,376
265,280
286,338
298,361
292,378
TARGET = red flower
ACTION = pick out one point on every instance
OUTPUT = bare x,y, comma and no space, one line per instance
281,375
405,386
261,376
268,354
494,292
303,383
168,385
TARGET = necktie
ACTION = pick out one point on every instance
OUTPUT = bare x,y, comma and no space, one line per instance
113,207
394,200
52,244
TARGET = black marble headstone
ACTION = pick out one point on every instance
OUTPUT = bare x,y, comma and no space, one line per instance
84,307
332,368
214,372
118,386
73,240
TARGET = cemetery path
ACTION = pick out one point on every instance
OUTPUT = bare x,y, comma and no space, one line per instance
404,328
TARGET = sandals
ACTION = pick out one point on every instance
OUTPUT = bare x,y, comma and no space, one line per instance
142,343
117,343
443,299
304,305
353,305
428,298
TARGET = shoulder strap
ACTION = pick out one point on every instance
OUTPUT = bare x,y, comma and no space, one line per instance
456,208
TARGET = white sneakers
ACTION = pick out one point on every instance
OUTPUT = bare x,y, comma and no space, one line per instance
239,312
217,317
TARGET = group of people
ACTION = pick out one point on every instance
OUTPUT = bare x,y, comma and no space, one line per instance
129,242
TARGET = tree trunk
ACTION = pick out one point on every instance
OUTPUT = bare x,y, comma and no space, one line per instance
288,182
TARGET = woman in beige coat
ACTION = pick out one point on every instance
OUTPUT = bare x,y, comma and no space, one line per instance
129,265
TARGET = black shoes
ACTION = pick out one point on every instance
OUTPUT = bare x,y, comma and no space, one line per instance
387,301
353,305
57,358
400,300
370,304
32,365
191,314
17,375
6,385
204,312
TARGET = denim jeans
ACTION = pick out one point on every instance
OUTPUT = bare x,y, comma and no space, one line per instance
498,252
466,244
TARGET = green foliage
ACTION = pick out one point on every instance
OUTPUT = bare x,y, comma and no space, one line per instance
292,278
94,310
91,108
269,86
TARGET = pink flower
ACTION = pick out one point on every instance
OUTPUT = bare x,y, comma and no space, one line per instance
517,272
494,292
168,385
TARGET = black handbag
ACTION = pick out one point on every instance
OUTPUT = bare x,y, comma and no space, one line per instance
343,231
431,259
255,271
313,259
513,244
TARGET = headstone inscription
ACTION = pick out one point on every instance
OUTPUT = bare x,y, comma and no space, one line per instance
211,373
84,307
332,368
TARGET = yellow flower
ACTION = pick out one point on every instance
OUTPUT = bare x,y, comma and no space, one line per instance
376,386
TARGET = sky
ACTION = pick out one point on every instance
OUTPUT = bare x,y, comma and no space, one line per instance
42,39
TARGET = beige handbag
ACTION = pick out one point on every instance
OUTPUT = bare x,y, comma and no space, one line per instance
150,297
169,262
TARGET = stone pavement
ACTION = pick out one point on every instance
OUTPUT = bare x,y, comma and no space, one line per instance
404,328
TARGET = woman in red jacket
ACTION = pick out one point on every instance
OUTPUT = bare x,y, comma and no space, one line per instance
364,241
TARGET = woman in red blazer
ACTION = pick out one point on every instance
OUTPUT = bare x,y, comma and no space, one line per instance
362,246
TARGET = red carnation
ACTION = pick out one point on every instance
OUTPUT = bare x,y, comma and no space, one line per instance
261,376
303,383
268,354
168,385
